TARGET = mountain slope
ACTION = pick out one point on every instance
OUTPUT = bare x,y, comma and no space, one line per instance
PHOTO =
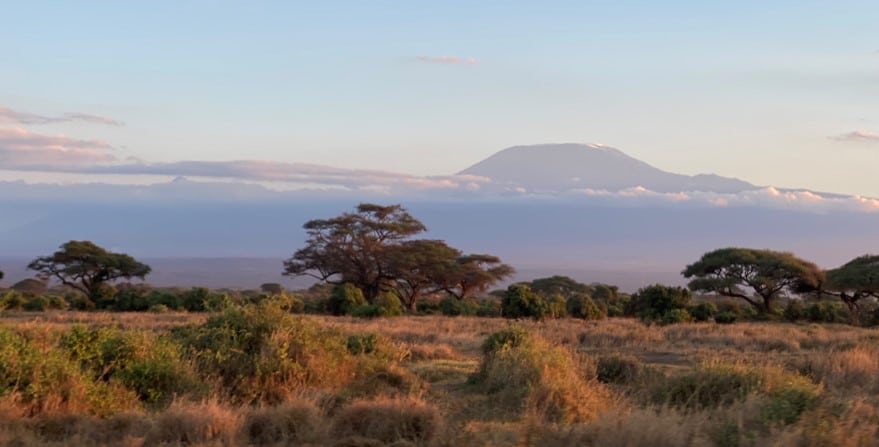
561,167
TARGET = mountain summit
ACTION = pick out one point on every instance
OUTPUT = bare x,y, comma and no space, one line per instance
561,167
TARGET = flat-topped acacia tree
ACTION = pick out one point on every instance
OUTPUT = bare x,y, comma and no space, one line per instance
86,267
372,248
353,247
769,274
853,282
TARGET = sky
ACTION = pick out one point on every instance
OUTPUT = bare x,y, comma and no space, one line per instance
781,93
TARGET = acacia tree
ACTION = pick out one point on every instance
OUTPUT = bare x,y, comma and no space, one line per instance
769,274
353,248
416,265
473,273
372,249
86,267
854,281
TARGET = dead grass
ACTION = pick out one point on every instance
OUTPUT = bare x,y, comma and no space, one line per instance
424,397
389,420
187,423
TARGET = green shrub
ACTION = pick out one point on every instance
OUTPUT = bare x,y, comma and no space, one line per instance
389,305
132,299
362,343
708,386
794,311
37,304
703,311
452,306
508,338
823,312
525,372
79,302
652,303
675,316
148,364
789,401
260,353
787,394
344,299
725,317
56,302
46,380
581,306
618,369
488,307
196,299
171,300
12,300
519,301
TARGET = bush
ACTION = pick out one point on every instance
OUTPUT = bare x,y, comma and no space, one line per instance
489,307
652,303
703,311
389,421
169,299
523,371
344,299
581,306
519,301
709,386
725,317
56,302
149,365
675,316
786,394
823,312
794,311
37,304
618,369
195,300
45,380
292,423
79,302
452,306
260,353
12,300
557,306
509,338
132,299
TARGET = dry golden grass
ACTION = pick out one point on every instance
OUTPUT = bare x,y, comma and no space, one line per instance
426,397
389,420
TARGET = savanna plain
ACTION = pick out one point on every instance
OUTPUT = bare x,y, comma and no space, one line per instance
258,374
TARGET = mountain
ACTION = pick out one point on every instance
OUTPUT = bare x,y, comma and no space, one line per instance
562,167
588,211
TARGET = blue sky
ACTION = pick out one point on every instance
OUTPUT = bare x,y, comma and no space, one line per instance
774,92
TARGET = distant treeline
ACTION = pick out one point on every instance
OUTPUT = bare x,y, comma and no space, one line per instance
369,264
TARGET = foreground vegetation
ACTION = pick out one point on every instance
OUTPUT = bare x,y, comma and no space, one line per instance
258,375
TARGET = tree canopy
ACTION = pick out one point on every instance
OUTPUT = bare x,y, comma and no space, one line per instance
86,267
854,281
373,249
769,274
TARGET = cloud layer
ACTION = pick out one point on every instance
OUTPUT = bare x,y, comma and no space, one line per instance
15,117
447,60
862,136
25,150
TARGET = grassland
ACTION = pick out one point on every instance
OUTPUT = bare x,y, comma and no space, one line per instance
259,377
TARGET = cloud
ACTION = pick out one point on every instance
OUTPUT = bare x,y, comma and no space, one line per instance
15,117
862,136
447,60
24,150
769,197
